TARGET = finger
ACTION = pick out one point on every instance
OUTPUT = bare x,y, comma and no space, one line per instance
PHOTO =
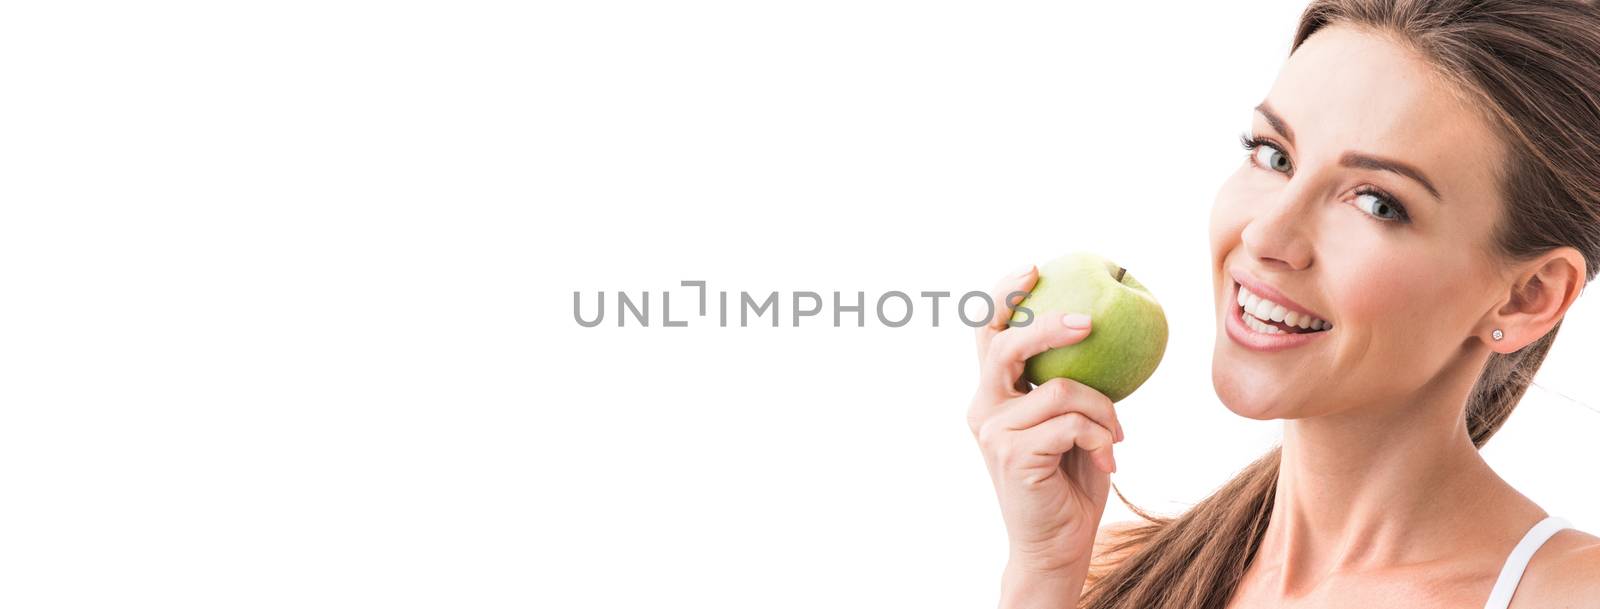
1007,293
1070,431
1058,397
1085,469
1011,349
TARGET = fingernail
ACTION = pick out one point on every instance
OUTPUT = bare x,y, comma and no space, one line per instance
1076,321
1024,272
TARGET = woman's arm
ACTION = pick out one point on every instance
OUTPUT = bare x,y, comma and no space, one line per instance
1048,450
1025,585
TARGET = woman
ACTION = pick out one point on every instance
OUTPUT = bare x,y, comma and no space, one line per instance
1418,208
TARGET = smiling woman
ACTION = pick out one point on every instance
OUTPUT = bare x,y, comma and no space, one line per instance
1418,208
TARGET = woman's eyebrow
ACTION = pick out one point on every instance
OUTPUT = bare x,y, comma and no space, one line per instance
1358,160
1277,122
1354,160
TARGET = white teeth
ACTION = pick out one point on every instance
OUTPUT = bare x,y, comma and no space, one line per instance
1263,310
1259,309
1254,324
1278,312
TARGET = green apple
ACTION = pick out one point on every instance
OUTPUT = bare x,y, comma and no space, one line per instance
1128,332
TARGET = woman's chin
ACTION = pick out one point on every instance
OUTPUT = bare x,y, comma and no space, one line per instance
1253,398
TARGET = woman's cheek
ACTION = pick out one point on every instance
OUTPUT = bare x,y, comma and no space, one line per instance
1221,211
1230,213
1376,286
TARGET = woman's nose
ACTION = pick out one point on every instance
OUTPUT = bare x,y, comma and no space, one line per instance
1279,234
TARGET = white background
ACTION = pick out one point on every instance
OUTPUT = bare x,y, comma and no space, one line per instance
286,290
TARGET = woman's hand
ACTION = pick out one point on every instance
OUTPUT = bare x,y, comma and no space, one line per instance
1048,449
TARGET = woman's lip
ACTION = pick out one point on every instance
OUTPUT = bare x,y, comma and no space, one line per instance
1257,341
1240,277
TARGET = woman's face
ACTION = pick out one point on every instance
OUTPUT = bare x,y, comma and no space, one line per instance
1323,214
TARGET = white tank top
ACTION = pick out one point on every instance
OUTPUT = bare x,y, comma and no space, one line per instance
1517,562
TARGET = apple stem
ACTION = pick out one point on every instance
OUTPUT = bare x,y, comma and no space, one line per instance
1120,272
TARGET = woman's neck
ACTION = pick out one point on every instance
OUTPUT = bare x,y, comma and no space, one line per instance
1381,486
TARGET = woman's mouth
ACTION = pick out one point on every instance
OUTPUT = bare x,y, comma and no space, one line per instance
1269,324
1267,317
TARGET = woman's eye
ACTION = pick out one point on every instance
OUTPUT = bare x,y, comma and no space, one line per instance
1379,207
1267,155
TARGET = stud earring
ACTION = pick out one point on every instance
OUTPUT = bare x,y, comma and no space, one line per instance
1497,334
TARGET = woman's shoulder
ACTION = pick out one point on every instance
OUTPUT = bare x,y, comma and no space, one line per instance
1565,572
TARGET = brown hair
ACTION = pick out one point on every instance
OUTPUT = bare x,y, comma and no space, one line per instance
1533,68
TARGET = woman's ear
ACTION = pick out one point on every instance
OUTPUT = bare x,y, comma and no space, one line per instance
1543,290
